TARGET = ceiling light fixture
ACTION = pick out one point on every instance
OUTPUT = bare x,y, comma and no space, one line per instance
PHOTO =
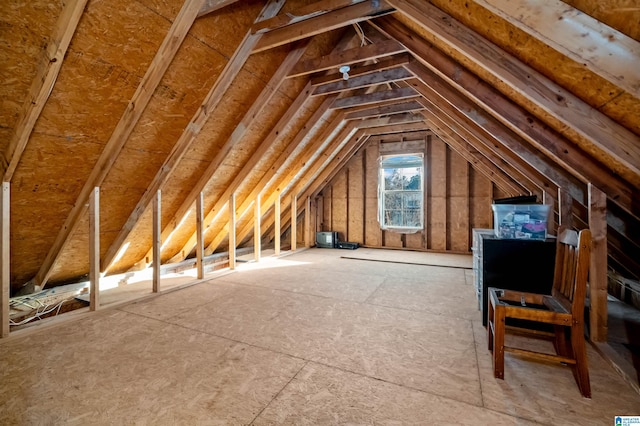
345,71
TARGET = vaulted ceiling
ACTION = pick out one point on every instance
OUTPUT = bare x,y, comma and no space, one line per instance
246,98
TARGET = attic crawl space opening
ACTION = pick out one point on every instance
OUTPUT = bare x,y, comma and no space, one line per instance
400,198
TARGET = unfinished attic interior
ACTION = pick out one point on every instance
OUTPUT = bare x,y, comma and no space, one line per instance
150,138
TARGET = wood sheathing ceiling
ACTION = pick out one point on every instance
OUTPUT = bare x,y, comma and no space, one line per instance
245,97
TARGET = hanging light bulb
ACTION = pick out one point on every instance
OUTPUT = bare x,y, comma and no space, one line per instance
345,71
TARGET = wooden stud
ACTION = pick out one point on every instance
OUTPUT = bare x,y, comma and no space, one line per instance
157,240
278,231
384,63
307,222
367,80
598,265
94,250
565,211
200,235
549,200
375,97
232,231
294,222
5,258
257,246
42,85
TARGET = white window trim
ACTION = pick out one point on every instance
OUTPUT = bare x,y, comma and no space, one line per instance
382,192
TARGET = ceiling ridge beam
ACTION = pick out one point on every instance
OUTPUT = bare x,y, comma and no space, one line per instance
556,106
42,85
319,24
132,113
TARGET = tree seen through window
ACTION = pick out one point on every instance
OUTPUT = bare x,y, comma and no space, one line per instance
401,194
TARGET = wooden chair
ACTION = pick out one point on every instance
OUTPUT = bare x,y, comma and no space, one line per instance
563,309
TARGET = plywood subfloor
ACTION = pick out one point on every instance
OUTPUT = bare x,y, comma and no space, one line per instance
416,257
306,339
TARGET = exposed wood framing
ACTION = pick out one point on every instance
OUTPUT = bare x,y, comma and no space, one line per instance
278,230
375,97
232,231
306,12
123,129
294,221
322,23
598,265
366,80
565,208
210,6
563,111
200,235
186,139
5,259
307,222
42,85
396,108
381,64
578,36
94,250
257,246
334,60
319,141
157,239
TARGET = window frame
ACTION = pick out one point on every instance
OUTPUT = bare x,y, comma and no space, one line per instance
384,192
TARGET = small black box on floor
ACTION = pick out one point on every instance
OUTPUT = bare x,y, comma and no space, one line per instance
348,245
327,239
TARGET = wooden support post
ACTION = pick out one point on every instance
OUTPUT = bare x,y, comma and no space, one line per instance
157,230
294,222
232,231
307,222
549,200
199,235
257,246
5,259
598,265
565,203
277,225
94,249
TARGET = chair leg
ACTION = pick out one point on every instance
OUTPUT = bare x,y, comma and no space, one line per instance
498,341
560,342
581,368
490,326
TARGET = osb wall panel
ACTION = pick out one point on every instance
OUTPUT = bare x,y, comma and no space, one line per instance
457,200
113,46
623,15
25,27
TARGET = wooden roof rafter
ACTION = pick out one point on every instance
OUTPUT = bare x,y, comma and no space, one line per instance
186,139
559,108
130,117
322,23
42,85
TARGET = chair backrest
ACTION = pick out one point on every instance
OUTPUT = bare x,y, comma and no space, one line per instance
573,253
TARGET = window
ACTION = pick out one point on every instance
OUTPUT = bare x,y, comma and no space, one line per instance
400,192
